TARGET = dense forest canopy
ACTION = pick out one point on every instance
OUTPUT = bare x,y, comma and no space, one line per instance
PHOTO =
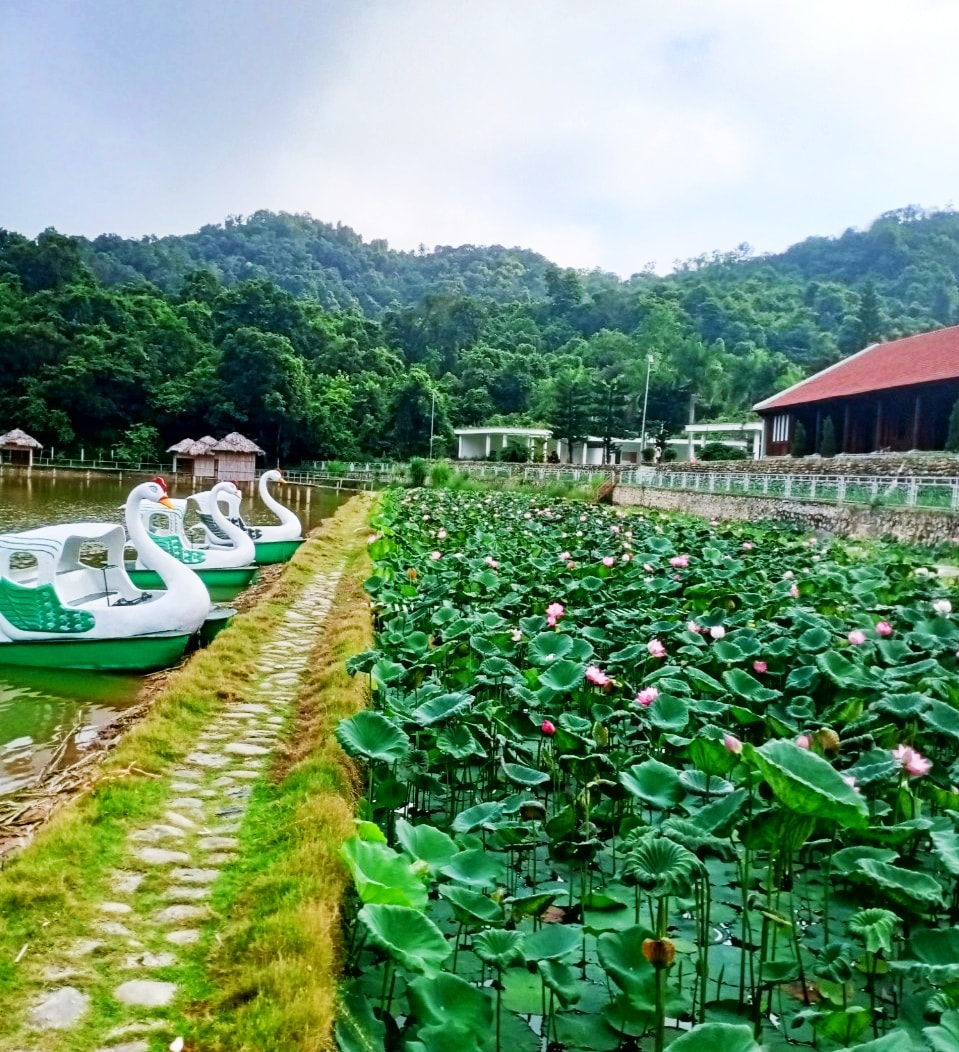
319,345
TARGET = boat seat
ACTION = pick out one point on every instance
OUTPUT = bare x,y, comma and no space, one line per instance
210,523
254,533
174,547
82,600
39,609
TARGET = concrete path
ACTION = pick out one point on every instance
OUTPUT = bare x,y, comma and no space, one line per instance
159,901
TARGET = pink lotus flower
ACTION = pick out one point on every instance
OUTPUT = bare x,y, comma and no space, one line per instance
436,555
691,626
647,568
656,648
571,565
555,611
794,591
804,741
857,637
491,562
942,607
441,534
547,728
625,557
608,560
788,575
614,529
516,635
733,744
883,629
679,561
597,676
647,696
747,546
565,556
911,761
717,632
761,667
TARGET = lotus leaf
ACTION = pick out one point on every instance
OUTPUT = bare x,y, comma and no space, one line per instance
875,927
447,1000
844,673
458,742
704,784
909,888
555,942
357,1028
668,713
562,979
662,867
441,708
381,875
746,686
655,784
549,647
372,736
621,955
471,909
807,784
426,844
499,948
411,939
476,868
480,815
717,1037
563,676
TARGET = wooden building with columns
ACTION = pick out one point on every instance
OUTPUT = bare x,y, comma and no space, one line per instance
889,397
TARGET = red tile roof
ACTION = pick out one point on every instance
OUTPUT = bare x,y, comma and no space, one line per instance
921,359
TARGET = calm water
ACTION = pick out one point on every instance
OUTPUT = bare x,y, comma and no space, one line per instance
41,709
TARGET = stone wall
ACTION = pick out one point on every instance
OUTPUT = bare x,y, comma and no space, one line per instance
884,464
910,525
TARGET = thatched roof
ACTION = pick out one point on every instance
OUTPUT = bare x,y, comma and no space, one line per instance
236,443
189,448
18,439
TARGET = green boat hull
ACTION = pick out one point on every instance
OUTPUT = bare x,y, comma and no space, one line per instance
218,619
130,654
223,583
270,552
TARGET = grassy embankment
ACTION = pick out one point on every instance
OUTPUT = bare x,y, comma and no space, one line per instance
267,978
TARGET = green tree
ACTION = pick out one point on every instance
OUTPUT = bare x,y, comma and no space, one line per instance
798,448
827,438
565,403
952,438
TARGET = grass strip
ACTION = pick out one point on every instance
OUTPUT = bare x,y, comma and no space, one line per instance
276,964
49,892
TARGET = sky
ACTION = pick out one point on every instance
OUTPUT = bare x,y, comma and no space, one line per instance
610,134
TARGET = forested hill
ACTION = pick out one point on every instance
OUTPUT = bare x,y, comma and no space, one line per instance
317,344
330,264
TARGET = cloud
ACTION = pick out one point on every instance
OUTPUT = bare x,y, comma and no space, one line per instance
605,135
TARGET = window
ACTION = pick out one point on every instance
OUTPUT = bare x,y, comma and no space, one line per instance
781,427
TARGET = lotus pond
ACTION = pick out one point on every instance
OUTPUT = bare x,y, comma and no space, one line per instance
637,782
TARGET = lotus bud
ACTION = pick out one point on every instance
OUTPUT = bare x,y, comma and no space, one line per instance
532,811
827,740
411,573
548,728
659,952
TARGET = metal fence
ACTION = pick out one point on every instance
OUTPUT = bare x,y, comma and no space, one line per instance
891,491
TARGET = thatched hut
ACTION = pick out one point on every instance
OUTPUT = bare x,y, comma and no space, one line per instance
195,458
236,458
16,448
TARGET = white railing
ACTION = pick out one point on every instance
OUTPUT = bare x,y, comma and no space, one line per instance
904,491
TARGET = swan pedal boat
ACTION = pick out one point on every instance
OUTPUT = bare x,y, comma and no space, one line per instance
272,544
59,610
225,570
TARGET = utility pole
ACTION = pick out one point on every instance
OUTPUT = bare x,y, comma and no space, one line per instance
432,418
649,365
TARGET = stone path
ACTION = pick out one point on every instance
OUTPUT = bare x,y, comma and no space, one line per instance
160,899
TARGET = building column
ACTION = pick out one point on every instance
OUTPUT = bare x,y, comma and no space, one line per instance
877,442
844,448
815,437
915,422
489,438
757,445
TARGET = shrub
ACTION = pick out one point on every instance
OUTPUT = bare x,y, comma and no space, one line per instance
720,451
417,471
952,438
799,441
440,473
827,438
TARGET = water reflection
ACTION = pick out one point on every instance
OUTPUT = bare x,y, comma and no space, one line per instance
44,711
